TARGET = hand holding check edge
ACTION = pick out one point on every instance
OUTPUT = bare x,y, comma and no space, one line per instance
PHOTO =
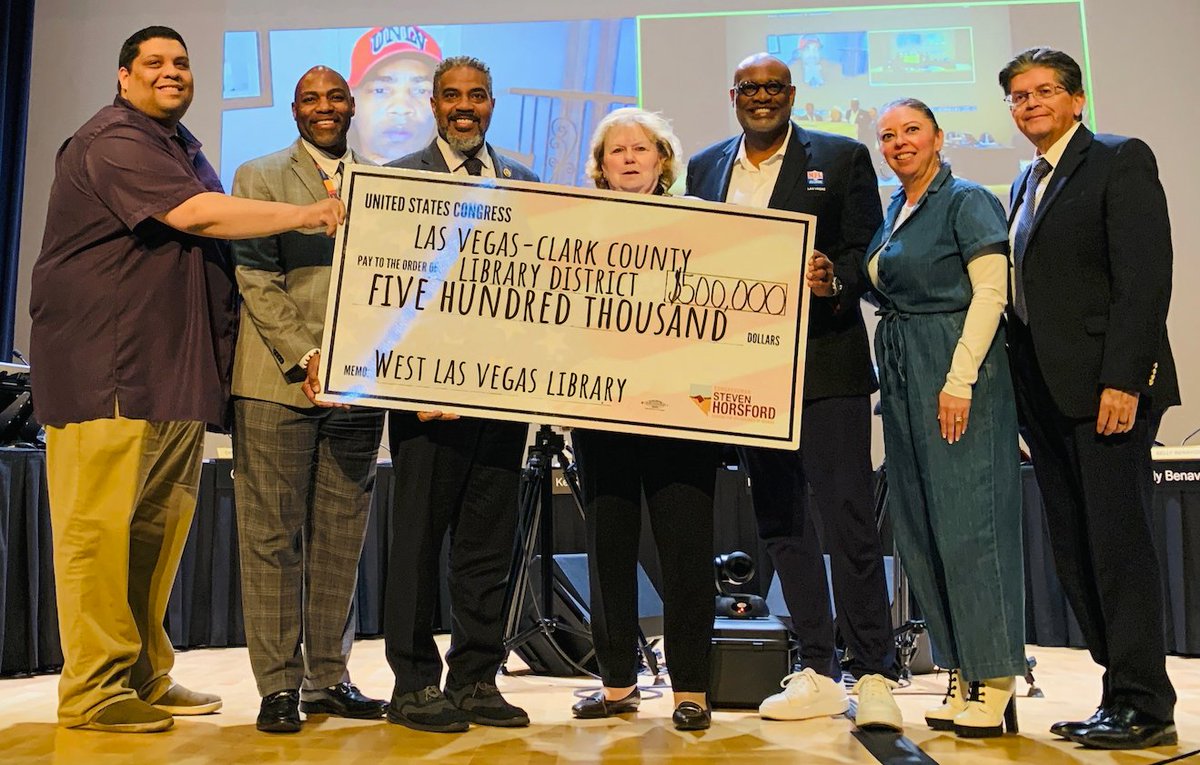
820,275
312,384
325,215
312,388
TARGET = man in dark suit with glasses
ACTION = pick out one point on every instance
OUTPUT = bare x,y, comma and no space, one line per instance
1093,373
775,163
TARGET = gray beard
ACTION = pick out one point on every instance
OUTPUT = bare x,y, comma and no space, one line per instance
463,145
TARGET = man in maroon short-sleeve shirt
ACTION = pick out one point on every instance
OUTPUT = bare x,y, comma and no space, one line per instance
133,305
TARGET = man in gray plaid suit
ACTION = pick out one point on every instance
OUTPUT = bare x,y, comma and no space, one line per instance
303,473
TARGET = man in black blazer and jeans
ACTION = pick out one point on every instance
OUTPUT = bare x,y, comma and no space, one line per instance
1093,373
776,163
456,475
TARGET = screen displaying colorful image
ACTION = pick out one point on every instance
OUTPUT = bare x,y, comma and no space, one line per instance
546,104
848,63
921,56
818,58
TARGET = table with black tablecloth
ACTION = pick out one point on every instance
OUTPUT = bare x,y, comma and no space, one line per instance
1176,524
206,610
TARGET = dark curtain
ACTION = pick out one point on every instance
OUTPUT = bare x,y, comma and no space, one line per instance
16,40
205,607
28,614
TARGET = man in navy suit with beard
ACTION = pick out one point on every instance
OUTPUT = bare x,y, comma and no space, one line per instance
456,475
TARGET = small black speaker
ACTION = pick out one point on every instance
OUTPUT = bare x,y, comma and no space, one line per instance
564,651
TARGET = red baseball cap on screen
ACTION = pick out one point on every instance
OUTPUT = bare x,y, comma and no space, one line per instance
385,42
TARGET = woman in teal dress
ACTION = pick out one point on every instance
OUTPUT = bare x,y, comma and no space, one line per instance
939,270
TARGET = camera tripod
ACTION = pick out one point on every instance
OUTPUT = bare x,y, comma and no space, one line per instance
535,539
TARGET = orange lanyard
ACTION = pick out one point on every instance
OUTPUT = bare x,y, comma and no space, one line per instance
330,187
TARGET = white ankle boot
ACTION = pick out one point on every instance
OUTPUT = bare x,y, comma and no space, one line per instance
955,702
991,708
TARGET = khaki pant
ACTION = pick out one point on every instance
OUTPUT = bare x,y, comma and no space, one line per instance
122,497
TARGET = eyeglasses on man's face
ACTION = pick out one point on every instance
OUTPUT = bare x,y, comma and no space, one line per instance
748,88
1041,93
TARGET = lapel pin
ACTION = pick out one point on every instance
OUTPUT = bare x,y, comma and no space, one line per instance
507,173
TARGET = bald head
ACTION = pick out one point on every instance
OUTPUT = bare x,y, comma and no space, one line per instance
762,96
318,71
764,63
323,108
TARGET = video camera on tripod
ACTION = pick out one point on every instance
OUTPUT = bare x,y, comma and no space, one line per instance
737,568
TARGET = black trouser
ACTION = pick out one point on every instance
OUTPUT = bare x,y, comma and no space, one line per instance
1097,491
835,458
678,478
460,476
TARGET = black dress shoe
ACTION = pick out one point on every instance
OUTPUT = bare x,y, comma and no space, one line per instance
1126,728
1069,728
279,713
691,716
427,709
483,705
342,700
596,706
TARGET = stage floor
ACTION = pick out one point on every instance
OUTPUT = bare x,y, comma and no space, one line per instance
1068,678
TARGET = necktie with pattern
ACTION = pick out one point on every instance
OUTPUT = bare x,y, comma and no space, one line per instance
474,165
1025,218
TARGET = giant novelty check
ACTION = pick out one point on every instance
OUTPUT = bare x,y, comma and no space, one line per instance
537,303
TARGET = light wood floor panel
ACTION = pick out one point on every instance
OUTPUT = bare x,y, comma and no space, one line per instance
1068,678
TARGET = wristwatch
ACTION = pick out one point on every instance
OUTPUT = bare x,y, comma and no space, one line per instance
837,286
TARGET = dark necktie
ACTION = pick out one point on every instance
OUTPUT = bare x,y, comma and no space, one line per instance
1025,218
474,165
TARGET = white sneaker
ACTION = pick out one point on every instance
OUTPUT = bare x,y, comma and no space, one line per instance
877,710
805,694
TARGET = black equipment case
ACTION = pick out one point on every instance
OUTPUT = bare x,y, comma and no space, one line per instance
749,658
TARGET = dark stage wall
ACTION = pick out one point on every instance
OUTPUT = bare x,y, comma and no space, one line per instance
206,609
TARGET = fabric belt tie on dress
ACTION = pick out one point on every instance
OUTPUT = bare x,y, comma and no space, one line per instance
893,338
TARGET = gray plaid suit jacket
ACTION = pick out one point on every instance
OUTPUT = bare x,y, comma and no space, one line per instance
284,280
